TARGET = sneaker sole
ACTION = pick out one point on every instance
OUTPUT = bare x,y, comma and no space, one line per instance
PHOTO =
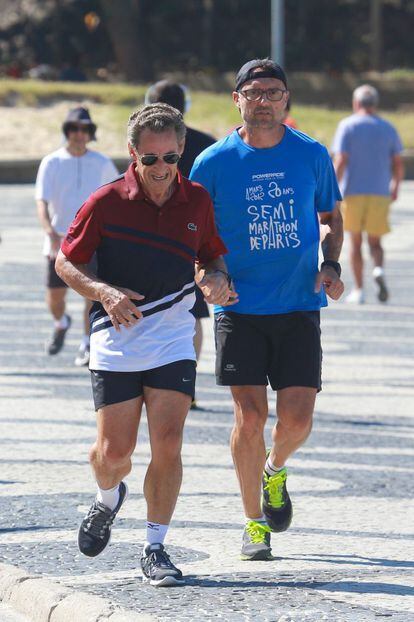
260,556
165,582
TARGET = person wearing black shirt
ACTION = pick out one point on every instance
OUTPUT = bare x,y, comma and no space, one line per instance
174,94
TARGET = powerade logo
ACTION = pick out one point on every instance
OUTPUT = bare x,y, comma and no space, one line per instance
263,176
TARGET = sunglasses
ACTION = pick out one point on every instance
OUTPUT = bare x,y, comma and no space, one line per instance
148,159
78,128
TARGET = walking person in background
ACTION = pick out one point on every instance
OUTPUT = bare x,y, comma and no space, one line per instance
148,229
369,168
271,187
176,95
65,179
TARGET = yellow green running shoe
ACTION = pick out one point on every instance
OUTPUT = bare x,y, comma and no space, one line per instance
256,542
276,503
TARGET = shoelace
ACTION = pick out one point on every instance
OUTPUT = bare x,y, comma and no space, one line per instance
275,487
257,532
161,558
98,521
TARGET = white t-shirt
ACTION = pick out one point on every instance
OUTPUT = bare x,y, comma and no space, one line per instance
66,181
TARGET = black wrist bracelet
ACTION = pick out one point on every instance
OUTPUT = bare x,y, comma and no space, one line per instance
332,264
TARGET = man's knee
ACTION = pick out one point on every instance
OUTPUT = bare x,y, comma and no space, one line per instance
112,455
166,441
297,424
250,419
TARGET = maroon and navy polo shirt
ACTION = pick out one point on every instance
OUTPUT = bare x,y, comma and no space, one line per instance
151,250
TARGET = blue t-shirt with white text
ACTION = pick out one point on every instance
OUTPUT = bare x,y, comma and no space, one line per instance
266,203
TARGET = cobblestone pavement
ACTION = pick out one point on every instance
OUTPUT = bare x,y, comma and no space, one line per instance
348,555
8,615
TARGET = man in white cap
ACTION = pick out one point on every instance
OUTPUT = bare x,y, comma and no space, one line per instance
65,179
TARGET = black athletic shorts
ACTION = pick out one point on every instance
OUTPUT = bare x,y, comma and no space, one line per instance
113,387
200,308
53,280
284,349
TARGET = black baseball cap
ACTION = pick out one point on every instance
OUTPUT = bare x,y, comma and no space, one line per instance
269,69
79,115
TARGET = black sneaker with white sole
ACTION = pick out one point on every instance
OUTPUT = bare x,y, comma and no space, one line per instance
158,569
58,338
95,529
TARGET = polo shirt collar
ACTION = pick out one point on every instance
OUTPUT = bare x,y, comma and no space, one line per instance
136,193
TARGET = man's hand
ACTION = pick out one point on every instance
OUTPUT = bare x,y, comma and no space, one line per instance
216,290
328,277
117,302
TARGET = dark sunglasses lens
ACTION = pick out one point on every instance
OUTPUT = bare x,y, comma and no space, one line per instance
149,160
171,158
78,128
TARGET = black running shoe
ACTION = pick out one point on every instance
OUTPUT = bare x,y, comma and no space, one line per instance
383,293
58,338
95,529
276,503
158,569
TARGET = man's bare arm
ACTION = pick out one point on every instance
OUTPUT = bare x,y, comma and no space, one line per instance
331,248
45,221
340,163
334,238
117,301
397,175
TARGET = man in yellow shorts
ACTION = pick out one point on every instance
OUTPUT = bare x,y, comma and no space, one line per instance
369,168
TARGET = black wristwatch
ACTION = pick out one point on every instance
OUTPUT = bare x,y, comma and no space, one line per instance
333,264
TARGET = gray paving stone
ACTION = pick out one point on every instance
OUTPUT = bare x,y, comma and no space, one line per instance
348,556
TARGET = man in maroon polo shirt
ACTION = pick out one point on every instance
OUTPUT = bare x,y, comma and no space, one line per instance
149,228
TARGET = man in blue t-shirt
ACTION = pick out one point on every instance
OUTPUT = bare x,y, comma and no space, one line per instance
369,168
271,187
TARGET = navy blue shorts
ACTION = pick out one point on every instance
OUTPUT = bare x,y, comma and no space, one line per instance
113,387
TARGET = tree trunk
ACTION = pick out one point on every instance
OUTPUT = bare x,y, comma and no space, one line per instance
129,36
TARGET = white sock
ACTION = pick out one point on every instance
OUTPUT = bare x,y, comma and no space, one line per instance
62,323
270,467
260,519
109,497
155,533
377,271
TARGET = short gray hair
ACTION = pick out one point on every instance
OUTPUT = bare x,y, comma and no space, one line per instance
156,118
367,96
